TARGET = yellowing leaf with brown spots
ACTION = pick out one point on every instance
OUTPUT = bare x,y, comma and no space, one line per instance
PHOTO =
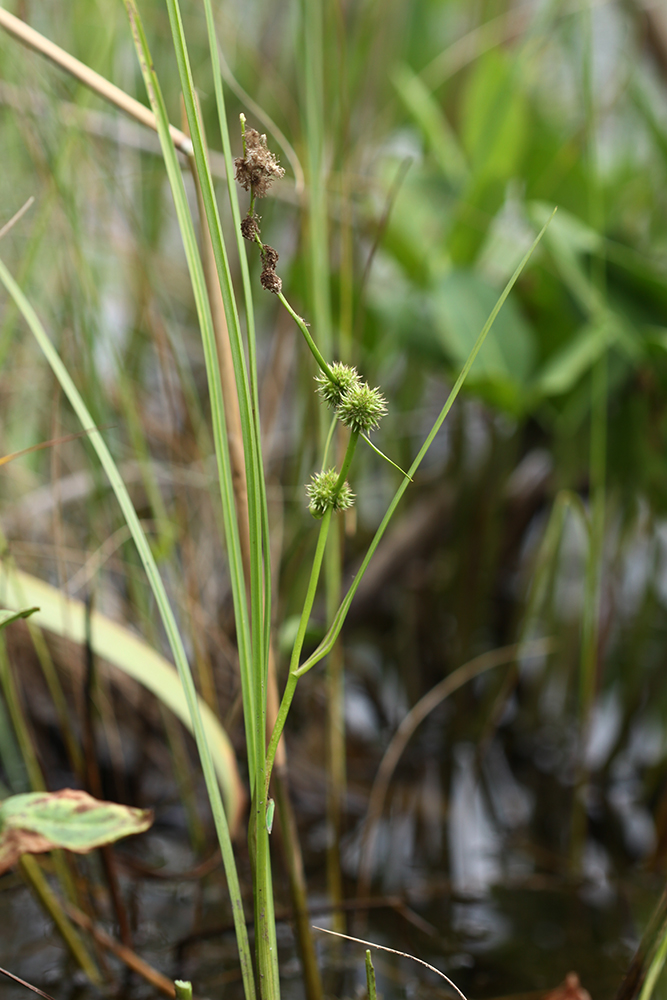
41,821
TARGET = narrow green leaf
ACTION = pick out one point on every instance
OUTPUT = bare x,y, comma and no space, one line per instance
255,702
371,988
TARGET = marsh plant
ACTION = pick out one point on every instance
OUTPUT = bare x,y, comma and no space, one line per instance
350,406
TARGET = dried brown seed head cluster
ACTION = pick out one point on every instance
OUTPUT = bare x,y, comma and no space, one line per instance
250,227
259,167
268,277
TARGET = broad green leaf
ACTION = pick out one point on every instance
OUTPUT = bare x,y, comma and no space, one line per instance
494,118
565,368
428,115
126,651
567,229
460,304
568,243
6,617
42,821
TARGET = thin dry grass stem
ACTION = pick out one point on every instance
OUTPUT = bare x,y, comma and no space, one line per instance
45,444
381,228
32,872
407,728
126,955
94,81
28,986
394,951
15,218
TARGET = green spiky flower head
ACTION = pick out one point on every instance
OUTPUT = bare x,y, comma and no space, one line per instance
344,378
323,495
361,408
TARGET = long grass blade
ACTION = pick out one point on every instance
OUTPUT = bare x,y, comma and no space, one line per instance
214,50
212,369
248,425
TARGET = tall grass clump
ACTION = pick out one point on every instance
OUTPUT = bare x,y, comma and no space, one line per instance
349,412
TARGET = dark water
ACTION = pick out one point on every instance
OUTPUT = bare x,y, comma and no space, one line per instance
503,917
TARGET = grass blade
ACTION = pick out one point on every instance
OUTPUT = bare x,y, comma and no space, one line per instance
162,601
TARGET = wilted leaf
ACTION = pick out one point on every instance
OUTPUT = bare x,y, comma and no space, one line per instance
116,644
42,821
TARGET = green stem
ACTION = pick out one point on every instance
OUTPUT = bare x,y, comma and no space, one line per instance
34,875
327,443
371,987
251,446
19,722
347,461
309,340
265,936
385,457
248,304
655,968
293,676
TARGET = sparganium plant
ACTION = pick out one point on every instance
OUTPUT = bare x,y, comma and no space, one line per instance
355,405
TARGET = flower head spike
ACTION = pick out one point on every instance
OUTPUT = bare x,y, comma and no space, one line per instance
361,408
344,377
259,167
250,227
323,495
268,277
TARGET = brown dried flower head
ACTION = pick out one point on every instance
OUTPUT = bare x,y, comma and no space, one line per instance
270,281
269,256
259,167
250,227
268,277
